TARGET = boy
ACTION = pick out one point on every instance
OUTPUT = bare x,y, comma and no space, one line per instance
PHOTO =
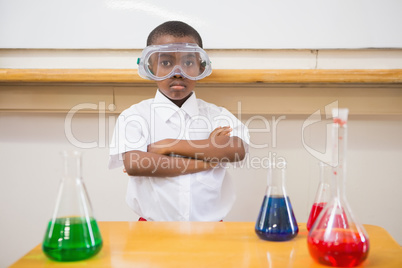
174,146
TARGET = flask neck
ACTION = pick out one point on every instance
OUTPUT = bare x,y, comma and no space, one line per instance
325,173
276,180
339,158
324,192
72,200
72,165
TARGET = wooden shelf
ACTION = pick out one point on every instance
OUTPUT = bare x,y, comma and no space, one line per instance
286,92
219,76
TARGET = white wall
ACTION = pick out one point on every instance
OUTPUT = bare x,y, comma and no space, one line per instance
30,143
256,24
30,174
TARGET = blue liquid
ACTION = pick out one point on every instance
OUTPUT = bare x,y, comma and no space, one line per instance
276,221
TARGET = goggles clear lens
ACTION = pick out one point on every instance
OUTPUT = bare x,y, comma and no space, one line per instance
164,61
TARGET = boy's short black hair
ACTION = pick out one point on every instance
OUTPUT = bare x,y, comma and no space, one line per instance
176,29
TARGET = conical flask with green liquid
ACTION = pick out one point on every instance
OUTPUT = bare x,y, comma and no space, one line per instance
72,233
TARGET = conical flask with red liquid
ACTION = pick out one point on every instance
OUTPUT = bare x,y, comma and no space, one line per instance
276,220
322,195
337,238
72,233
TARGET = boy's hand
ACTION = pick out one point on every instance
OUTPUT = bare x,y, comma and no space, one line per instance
220,131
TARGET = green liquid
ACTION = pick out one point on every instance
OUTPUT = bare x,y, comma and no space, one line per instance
72,239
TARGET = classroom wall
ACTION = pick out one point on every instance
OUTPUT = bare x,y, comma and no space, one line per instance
30,144
255,24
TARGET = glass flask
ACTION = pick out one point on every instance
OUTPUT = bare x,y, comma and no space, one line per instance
322,195
276,220
72,233
336,238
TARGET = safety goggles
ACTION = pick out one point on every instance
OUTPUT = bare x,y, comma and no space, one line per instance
159,62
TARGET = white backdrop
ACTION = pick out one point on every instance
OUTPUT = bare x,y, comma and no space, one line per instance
31,171
254,24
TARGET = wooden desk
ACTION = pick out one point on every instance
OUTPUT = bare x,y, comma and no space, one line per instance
208,244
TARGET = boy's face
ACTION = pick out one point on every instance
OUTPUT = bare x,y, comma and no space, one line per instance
176,88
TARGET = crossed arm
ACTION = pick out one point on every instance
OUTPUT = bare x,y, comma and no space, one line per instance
200,155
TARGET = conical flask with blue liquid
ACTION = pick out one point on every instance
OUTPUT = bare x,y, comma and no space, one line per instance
72,233
276,220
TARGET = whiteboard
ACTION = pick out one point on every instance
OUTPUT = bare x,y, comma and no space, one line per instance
223,24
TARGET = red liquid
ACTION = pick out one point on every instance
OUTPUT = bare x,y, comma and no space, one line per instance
339,121
315,211
343,248
338,220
